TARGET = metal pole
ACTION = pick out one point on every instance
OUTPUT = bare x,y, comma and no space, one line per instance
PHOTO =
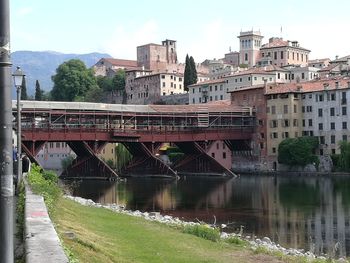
19,138
6,169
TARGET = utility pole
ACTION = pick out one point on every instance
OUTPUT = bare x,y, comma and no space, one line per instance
6,151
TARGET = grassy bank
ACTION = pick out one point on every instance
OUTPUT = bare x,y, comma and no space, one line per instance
92,234
101,235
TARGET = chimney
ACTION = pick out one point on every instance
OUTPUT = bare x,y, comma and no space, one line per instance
325,85
349,84
336,57
336,84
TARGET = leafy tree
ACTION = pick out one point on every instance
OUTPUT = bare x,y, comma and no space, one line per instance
72,81
24,95
298,151
38,91
119,80
105,83
93,95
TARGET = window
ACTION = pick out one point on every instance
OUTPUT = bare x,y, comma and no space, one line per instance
281,54
332,139
193,90
273,149
295,123
216,88
295,108
274,124
246,56
343,110
193,101
303,109
163,76
320,97
275,55
273,109
344,125
303,75
213,155
200,100
345,137
303,123
320,112
286,123
221,97
224,155
278,75
310,122
164,86
217,146
309,108
320,126
267,109
211,98
332,111
333,151
285,109
322,140
332,125
333,96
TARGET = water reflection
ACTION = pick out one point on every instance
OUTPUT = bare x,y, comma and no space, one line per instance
303,212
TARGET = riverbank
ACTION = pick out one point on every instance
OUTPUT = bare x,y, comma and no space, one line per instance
95,234
108,233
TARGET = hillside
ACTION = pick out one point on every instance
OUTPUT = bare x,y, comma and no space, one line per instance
41,65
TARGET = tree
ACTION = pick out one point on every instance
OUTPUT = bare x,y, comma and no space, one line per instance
298,151
24,95
72,81
38,91
194,77
190,74
119,80
344,158
187,73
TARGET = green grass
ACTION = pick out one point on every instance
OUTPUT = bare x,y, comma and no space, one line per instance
104,236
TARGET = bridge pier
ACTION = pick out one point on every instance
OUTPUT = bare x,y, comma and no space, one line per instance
88,164
145,161
196,160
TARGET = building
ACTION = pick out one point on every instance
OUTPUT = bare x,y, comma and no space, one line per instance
254,97
319,63
157,57
315,108
109,66
208,91
232,58
250,43
303,74
108,154
283,53
144,87
283,107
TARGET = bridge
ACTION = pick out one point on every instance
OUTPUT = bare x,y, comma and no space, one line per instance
142,129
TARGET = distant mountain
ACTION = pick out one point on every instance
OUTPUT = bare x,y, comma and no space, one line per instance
41,65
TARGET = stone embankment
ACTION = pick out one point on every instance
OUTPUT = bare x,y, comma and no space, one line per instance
265,242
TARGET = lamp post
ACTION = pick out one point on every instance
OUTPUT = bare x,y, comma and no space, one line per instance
6,171
18,77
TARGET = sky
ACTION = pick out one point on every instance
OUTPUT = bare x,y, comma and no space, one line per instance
203,29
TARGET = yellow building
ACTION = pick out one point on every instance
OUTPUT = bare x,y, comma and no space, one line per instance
284,117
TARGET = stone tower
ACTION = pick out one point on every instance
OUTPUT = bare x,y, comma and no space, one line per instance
171,55
249,43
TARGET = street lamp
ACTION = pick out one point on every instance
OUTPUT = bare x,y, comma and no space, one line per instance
18,77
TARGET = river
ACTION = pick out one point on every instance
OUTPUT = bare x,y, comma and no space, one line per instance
312,213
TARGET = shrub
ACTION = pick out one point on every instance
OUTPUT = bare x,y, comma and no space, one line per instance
45,184
236,240
203,231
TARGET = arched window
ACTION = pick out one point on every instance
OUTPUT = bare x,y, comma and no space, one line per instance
246,56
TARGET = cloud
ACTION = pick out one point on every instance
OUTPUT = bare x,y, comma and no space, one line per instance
24,11
123,41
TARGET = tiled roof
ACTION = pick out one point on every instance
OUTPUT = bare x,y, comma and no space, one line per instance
278,42
122,62
207,82
310,86
217,106
342,59
247,88
330,67
260,70
312,61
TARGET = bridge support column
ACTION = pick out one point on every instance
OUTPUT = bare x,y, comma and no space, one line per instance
144,160
88,164
197,161
32,149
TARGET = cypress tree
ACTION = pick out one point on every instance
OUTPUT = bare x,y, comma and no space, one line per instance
24,95
194,77
38,92
187,74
